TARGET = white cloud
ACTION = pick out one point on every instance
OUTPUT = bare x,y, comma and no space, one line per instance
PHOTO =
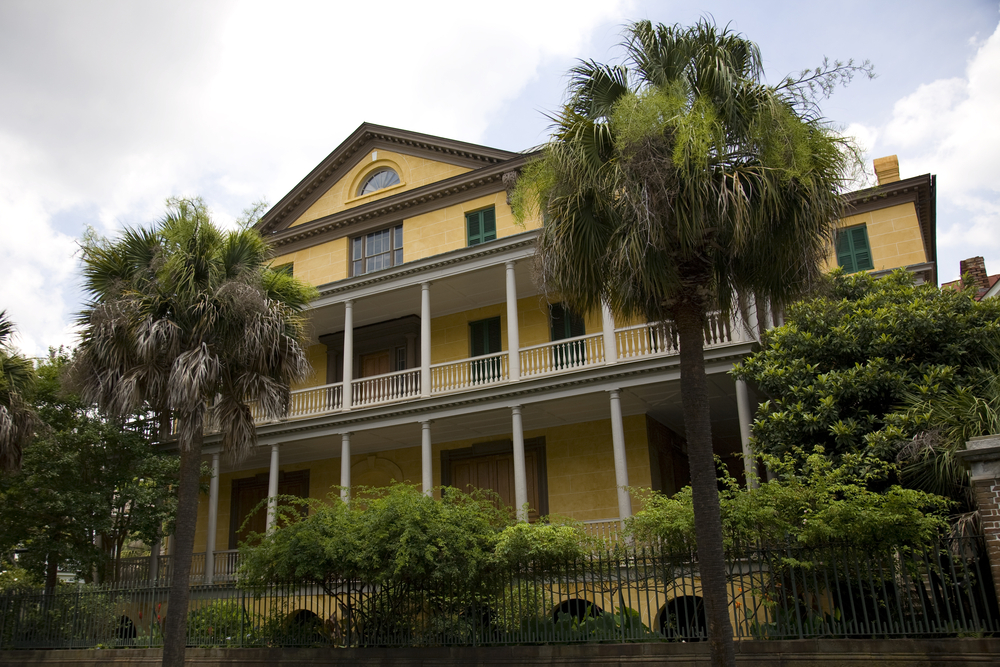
949,127
108,109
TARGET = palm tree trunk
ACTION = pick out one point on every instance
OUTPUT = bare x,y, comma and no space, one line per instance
175,625
690,319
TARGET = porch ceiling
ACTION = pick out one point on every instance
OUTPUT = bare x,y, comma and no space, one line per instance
661,400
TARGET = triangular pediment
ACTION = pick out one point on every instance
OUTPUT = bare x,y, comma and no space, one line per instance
419,159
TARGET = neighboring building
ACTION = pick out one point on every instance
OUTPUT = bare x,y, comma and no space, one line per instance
458,371
987,286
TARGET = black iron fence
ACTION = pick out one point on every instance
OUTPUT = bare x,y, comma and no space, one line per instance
622,595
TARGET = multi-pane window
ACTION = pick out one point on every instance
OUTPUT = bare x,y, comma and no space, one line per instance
481,226
376,251
287,269
853,251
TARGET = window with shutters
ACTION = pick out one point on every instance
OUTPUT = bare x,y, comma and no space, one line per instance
481,226
853,251
376,251
484,339
564,323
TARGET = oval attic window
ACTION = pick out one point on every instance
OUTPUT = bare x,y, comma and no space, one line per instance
382,178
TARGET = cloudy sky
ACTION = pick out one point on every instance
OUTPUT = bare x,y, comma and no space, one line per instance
109,107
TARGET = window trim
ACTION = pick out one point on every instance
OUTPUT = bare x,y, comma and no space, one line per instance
395,252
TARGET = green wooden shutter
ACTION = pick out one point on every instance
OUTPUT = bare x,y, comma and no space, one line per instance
484,336
481,226
474,227
489,224
565,323
853,251
862,254
845,257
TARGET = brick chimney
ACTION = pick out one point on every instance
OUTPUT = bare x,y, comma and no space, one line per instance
976,268
887,169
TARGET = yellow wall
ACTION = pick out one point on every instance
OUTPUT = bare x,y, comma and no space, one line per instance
579,461
317,359
893,235
414,172
450,333
424,235
320,264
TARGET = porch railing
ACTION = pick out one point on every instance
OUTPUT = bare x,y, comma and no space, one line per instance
315,400
608,531
562,355
384,388
469,373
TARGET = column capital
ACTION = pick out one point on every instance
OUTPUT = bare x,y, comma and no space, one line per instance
615,393
348,302
426,285
510,263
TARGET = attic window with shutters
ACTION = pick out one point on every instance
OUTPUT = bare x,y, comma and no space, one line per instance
853,251
379,180
481,226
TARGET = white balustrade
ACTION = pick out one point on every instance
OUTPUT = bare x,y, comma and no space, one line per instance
606,530
384,388
563,355
718,330
469,373
645,340
315,400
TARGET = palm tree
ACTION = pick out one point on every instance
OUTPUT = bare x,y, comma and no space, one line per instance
17,419
189,322
679,183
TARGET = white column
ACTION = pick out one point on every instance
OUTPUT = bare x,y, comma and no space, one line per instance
272,489
513,337
743,408
427,465
520,474
608,326
345,467
213,519
425,339
348,353
621,463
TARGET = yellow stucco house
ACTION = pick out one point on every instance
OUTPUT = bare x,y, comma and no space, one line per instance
437,361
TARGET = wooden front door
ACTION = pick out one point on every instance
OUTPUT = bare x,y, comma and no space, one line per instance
491,466
248,494
376,363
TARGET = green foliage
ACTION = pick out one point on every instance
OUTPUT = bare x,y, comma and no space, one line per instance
15,579
82,475
812,500
17,419
398,535
395,535
545,545
839,373
220,622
